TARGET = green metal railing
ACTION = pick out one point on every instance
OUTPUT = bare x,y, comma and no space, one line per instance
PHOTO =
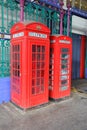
49,17
9,14
4,58
65,25
44,15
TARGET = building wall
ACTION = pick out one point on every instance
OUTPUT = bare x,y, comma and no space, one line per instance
79,25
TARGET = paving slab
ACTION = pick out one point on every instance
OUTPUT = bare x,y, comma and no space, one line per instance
70,114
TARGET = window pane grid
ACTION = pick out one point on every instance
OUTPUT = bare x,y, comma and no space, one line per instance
51,70
38,69
16,68
64,67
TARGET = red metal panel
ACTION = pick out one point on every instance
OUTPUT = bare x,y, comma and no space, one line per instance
29,64
60,66
82,61
40,70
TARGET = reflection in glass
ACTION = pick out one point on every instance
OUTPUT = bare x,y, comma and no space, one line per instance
64,71
33,48
64,82
65,61
64,66
65,50
64,77
64,56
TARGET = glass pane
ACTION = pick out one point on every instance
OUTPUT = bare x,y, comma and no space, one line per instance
65,61
64,56
38,82
33,57
34,48
38,57
64,77
37,64
38,73
64,50
63,88
64,71
38,48
64,66
43,49
63,82
42,81
42,73
42,65
43,57
16,60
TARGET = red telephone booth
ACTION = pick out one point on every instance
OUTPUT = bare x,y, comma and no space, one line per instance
29,64
60,66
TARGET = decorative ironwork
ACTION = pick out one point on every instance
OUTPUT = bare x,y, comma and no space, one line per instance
9,14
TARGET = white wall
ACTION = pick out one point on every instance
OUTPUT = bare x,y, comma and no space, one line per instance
79,25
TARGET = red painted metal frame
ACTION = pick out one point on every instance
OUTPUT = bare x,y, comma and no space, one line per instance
21,94
55,91
82,61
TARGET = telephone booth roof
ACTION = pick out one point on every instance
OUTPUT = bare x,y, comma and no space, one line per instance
61,36
29,25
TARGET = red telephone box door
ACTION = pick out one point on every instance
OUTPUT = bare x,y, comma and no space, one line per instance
39,74
65,70
60,66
